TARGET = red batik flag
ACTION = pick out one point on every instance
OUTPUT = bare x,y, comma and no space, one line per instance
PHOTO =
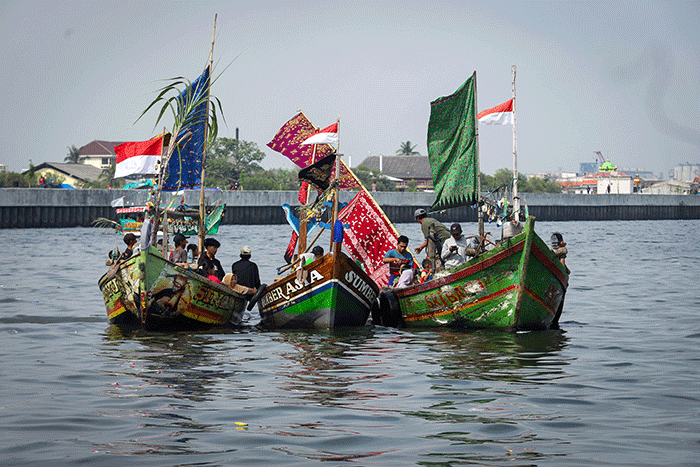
368,236
289,252
288,142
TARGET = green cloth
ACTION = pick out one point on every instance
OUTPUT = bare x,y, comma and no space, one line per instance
452,148
441,232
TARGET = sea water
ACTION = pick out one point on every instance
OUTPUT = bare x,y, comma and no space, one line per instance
619,384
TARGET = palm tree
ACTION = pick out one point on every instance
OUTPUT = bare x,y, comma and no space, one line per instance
407,149
73,156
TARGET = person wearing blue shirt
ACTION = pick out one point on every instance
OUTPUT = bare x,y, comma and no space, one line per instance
398,257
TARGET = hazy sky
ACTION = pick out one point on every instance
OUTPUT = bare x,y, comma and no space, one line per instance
619,77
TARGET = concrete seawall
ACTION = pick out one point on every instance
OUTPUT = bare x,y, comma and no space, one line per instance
36,208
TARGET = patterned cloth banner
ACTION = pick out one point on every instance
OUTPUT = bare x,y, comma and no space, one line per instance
288,141
452,148
319,174
185,165
368,236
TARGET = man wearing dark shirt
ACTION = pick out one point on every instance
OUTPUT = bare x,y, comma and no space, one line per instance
246,270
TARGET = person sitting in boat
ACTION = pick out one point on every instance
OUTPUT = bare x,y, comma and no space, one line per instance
396,257
208,257
246,271
405,277
131,241
179,254
559,248
435,234
457,249
311,256
210,269
192,253
231,280
427,273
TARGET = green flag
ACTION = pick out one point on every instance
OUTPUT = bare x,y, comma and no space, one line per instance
452,148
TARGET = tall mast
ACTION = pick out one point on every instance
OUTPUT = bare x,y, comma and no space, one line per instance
202,213
516,198
336,191
478,168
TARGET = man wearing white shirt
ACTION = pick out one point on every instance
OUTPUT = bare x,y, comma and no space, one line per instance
456,250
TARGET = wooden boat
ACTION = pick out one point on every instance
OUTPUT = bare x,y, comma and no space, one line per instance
331,291
185,221
518,285
147,290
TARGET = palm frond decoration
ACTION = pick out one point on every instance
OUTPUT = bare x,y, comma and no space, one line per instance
103,222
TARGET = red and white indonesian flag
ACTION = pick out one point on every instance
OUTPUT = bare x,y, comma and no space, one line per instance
328,135
368,236
138,157
499,115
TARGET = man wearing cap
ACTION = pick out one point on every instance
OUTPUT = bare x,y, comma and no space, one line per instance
179,254
246,270
208,258
435,234
456,250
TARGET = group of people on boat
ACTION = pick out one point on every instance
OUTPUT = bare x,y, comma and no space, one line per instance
445,249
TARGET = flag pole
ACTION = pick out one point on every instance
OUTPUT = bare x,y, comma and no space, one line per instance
202,213
480,214
516,198
336,193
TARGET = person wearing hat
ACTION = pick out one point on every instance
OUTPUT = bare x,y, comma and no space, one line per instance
208,259
435,234
130,240
456,249
245,270
179,254
311,256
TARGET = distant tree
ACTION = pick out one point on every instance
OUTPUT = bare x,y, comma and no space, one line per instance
411,185
228,159
407,149
542,185
10,179
369,176
105,180
73,156
271,180
504,177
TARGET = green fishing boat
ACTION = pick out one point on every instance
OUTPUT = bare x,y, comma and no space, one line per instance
146,289
151,292
517,284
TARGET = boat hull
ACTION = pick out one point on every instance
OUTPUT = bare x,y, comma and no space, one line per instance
185,226
330,292
517,286
153,293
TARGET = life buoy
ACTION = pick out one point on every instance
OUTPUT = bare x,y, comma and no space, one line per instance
389,309
256,297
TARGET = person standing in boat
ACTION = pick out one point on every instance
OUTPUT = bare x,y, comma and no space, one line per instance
146,230
179,254
208,258
457,249
435,234
245,270
397,257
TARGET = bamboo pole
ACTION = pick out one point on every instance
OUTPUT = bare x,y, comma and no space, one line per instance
202,228
516,198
